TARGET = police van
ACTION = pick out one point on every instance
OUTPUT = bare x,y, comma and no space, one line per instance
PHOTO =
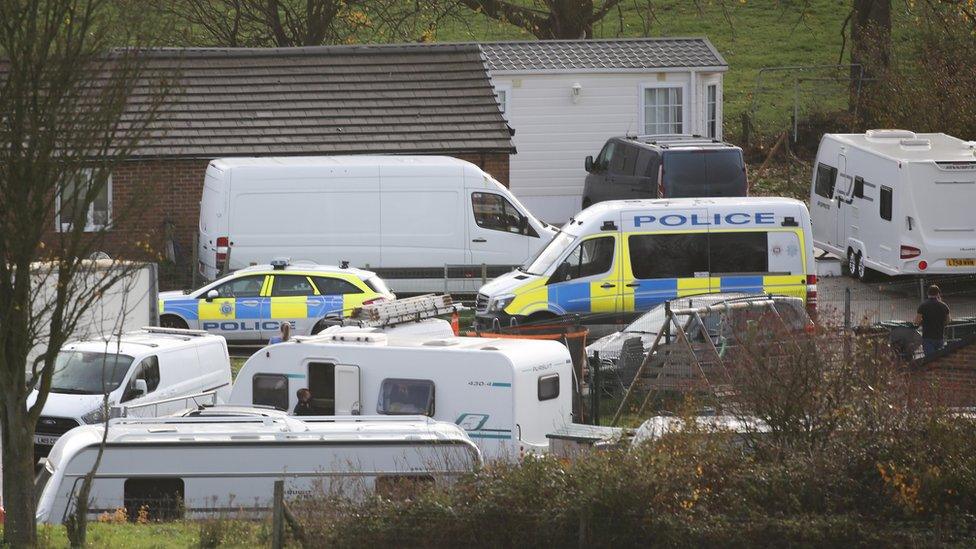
623,257
251,304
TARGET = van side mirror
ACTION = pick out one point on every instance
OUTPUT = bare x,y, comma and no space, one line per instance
141,388
137,389
588,164
212,295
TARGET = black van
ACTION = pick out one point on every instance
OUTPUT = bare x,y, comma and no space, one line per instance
664,166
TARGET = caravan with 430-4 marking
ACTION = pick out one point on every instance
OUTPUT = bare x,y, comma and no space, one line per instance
251,304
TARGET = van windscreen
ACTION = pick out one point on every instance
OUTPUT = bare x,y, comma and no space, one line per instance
88,373
704,173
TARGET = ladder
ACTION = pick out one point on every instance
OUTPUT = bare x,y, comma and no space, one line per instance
410,309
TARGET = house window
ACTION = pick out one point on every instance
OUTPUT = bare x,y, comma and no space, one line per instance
270,390
548,387
664,110
503,94
406,397
886,203
73,197
711,110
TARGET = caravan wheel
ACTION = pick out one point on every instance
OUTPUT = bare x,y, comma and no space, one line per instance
864,274
853,261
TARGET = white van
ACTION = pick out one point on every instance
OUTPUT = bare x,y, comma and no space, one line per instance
507,394
402,217
153,371
195,467
622,257
896,202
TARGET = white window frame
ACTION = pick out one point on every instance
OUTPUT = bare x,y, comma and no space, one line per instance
685,103
90,225
506,103
708,115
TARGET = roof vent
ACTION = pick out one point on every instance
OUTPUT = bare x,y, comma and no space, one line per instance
916,144
359,337
873,135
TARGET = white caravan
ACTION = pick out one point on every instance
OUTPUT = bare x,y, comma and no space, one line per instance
174,468
896,202
407,218
149,372
506,393
129,304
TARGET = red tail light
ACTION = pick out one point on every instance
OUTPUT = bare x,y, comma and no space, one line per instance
922,265
908,252
374,300
812,296
221,251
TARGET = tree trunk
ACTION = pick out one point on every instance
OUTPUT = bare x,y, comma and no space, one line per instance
570,19
18,478
870,49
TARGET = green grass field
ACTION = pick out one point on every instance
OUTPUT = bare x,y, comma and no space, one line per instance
750,34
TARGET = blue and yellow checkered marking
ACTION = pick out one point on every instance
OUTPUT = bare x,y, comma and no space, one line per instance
590,297
266,307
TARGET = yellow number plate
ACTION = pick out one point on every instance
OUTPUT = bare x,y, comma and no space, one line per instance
961,262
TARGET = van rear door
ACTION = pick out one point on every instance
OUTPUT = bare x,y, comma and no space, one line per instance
213,220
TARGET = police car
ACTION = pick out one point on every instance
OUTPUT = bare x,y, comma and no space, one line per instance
251,304
624,257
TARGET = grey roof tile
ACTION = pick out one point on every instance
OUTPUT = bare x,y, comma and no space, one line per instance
349,99
630,53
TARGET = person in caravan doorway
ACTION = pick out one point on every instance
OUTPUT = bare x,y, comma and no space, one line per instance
932,316
282,337
304,405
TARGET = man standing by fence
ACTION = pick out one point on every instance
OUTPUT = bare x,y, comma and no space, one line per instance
932,316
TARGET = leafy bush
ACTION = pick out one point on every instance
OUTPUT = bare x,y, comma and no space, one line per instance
852,456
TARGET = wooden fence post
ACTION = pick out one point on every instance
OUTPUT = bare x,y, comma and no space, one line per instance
278,516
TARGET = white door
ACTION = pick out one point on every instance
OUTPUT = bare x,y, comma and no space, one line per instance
842,200
496,230
347,400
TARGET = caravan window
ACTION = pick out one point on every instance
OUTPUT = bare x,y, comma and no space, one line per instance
548,387
859,187
406,397
668,255
826,177
738,252
886,203
161,497
270,390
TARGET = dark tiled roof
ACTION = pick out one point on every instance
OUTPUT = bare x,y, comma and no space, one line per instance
636,53
327,100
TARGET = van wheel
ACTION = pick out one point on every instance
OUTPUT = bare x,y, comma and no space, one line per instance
172,321
853,260
540,317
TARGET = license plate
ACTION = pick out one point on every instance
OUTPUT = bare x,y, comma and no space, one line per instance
961,262
45,440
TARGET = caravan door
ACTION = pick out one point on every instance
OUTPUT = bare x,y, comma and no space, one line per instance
842,198
347,401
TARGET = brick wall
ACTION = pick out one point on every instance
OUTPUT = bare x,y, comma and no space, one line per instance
152,199
951,377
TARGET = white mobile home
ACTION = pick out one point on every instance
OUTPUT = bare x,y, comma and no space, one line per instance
565,98
506,393
896,202
194,467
